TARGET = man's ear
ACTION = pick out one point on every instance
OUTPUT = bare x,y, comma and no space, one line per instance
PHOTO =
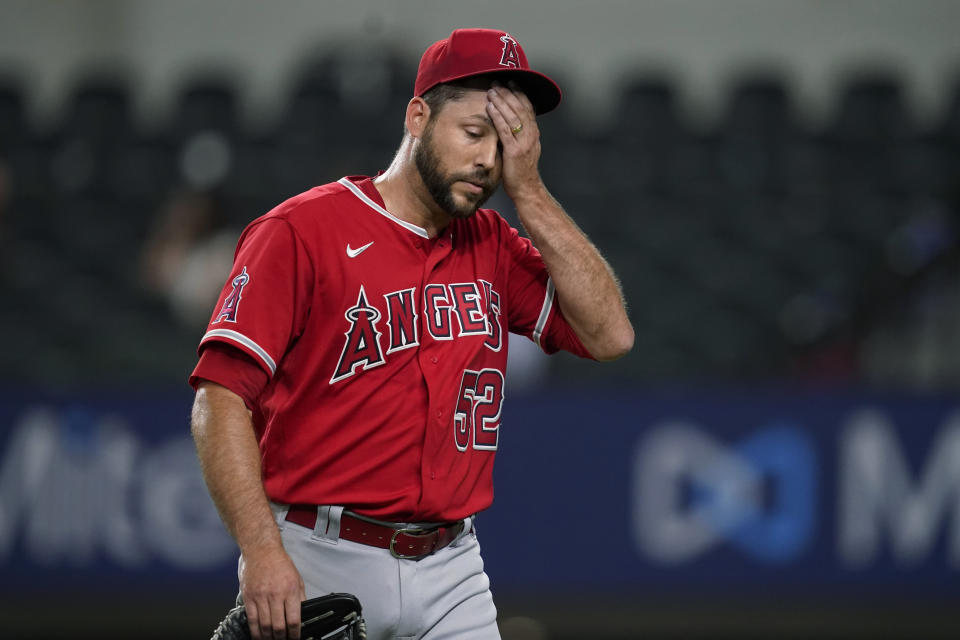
418,114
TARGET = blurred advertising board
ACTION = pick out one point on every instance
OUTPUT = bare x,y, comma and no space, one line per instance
739,489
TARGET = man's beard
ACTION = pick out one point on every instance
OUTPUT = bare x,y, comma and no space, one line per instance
440,186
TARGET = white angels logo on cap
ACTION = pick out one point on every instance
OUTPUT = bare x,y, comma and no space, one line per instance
509,57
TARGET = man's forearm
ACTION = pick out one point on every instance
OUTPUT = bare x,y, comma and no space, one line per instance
587,289
230,460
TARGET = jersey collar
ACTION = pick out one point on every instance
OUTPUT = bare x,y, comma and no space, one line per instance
370,199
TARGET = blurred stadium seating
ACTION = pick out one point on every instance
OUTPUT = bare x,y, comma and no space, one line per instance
756,247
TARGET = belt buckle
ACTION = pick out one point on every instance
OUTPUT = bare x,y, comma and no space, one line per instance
410,531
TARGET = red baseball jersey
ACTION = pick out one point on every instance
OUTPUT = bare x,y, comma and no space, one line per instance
385,350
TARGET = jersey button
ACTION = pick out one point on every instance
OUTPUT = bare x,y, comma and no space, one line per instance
418,244
434,360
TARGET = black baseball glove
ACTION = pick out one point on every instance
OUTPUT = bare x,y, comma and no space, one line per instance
335,616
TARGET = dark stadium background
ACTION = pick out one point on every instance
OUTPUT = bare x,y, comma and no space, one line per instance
777,184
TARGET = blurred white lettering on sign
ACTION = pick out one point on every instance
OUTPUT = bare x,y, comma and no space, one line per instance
78,496
880,503
766,494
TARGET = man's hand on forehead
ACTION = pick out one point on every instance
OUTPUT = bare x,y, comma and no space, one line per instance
508,104
511,88
516,124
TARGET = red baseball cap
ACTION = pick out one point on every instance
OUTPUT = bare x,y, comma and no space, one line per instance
473,52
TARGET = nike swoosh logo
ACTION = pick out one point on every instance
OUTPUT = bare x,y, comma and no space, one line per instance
353,253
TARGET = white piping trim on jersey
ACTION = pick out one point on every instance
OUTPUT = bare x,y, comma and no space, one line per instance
544,313
245,341
420,231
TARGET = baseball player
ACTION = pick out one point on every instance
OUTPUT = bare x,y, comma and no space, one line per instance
350,383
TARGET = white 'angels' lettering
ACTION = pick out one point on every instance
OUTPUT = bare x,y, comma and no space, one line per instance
476,306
